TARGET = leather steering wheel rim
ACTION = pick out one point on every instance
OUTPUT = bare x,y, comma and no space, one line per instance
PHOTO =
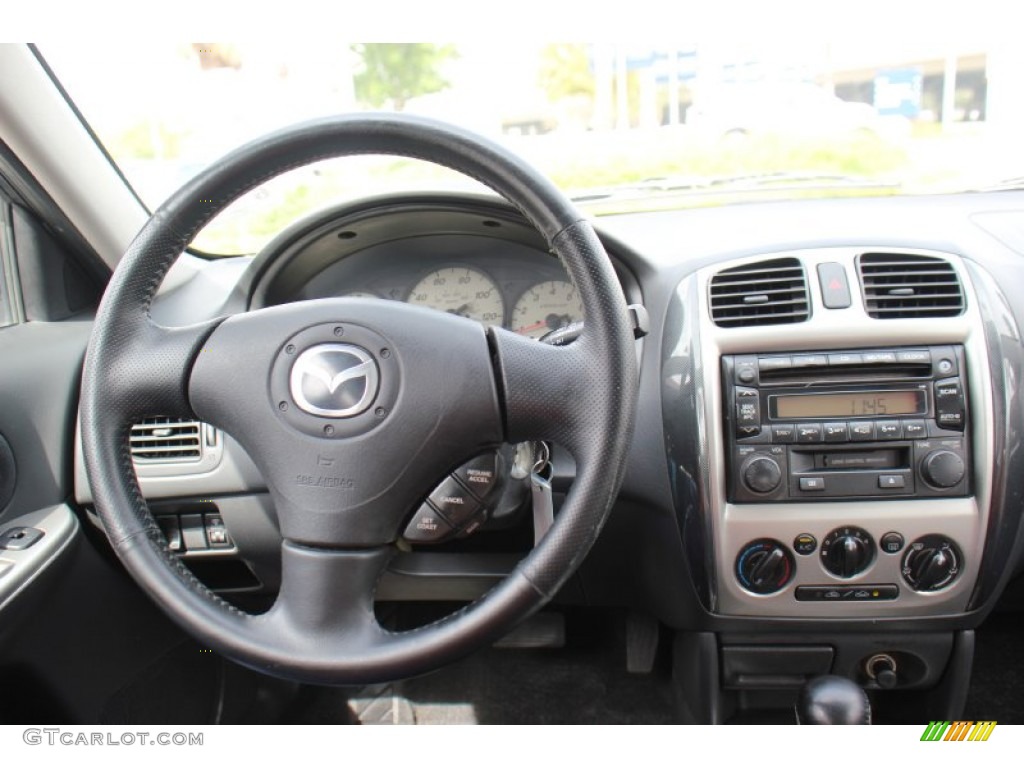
337,541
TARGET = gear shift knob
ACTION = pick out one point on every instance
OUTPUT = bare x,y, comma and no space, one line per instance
832,700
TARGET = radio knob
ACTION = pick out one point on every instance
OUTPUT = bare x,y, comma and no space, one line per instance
942,469
761,474
845,552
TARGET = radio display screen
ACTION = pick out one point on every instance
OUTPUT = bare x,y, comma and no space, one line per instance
839,405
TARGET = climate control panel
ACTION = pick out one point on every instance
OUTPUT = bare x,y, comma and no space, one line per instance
844,567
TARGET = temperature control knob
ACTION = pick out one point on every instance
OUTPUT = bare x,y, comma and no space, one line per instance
764,566
761,474
931,563
847,551
942,469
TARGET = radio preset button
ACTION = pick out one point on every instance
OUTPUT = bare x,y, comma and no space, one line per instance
783,433
836,432
888,429
914,429
862,430
808,433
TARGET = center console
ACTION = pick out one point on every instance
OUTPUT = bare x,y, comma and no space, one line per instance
849,452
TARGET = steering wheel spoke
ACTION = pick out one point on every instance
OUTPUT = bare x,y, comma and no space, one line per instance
326,596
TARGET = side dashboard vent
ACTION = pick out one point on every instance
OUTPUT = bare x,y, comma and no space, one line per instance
766,293
163,439
899,285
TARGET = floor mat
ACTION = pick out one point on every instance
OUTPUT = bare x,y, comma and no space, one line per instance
585,682
997,685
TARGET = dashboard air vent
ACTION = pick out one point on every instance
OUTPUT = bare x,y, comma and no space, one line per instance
766,293
906,285
163,439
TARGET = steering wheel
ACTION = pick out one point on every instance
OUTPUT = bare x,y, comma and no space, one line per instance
352,409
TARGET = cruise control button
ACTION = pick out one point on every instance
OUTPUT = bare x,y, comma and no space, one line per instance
836,432
889,429
808,433
427,526
454,502
862,430
480,475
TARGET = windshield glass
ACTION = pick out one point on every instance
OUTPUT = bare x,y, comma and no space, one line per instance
618,126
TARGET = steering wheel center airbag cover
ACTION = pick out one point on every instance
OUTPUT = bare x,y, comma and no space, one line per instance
335,380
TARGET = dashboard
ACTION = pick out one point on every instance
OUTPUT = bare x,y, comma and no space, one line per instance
828,433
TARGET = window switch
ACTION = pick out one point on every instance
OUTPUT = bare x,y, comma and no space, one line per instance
14,539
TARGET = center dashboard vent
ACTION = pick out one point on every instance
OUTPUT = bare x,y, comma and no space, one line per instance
764,293
163,439
900,285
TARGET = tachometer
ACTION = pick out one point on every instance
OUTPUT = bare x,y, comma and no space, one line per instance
546,307
461,291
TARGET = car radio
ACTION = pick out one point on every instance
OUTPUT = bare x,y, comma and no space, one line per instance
847,424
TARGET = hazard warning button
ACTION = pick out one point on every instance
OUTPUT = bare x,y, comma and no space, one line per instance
835,290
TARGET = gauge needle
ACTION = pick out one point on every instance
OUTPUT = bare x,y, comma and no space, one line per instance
460,310
533,327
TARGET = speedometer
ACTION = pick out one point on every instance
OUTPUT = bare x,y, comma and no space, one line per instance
546,307
461,291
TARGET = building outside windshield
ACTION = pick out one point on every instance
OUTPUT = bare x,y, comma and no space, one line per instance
618,126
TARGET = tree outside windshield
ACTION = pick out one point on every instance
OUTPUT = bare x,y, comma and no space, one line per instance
621,127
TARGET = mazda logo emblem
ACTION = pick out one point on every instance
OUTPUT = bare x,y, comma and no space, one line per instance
334,380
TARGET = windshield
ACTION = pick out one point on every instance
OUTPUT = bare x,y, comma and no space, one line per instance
618,126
